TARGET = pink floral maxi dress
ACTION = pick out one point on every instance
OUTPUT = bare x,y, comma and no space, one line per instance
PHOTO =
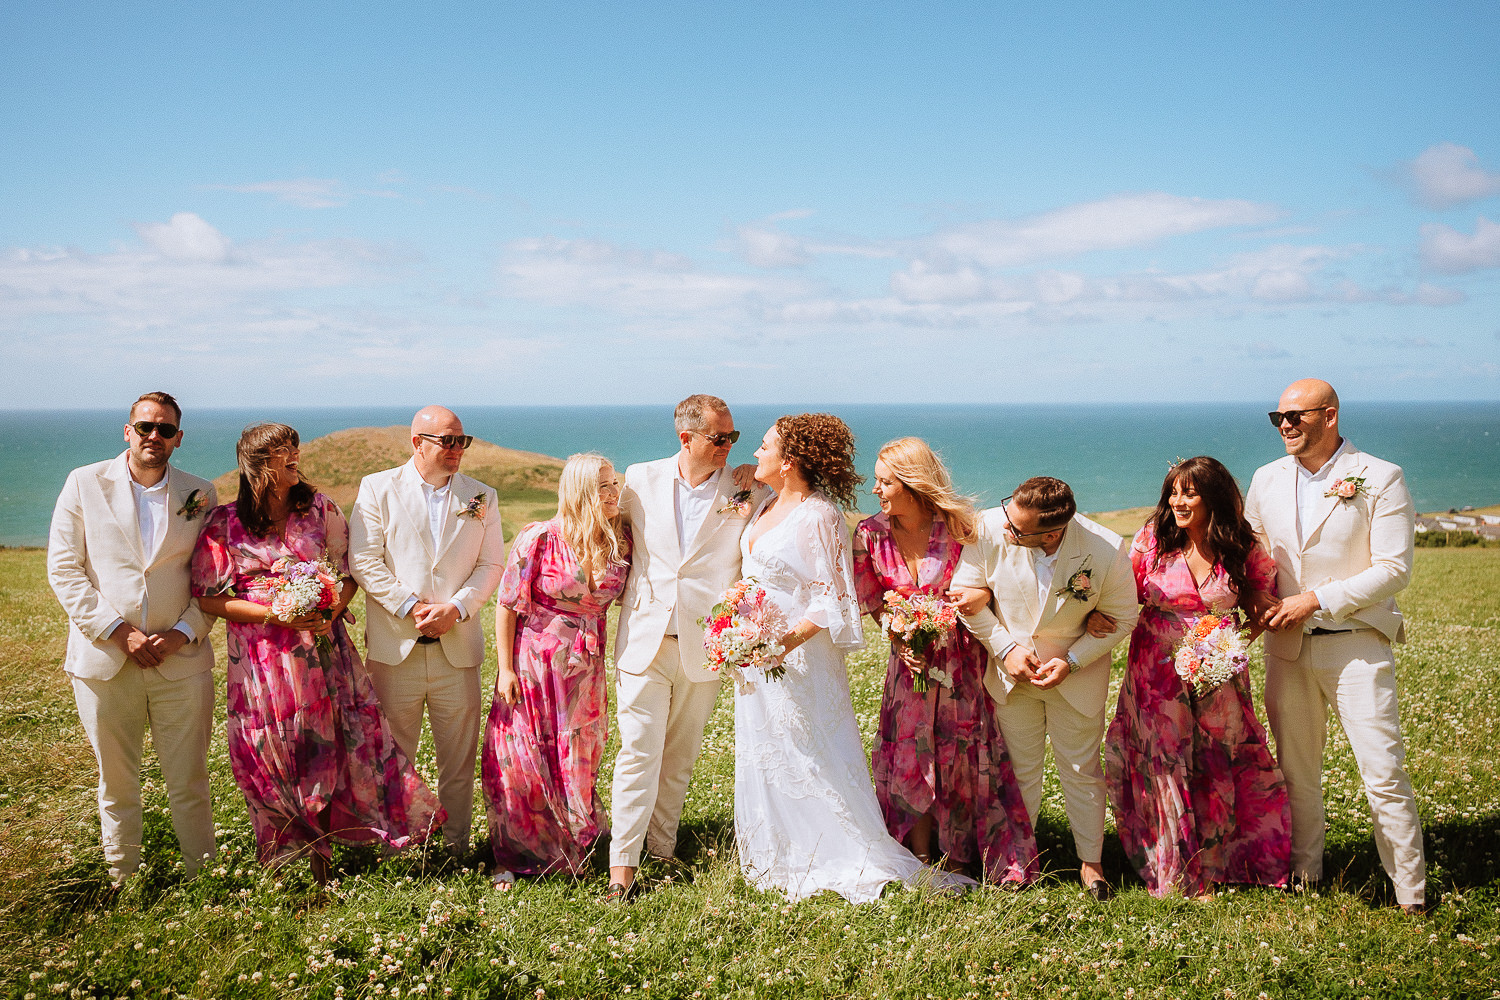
540,758
941,752
1197,796
308,744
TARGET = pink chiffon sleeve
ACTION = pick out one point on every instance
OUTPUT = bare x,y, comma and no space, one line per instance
213,564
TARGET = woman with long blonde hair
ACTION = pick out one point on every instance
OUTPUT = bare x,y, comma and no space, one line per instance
548,722
942,772
307,742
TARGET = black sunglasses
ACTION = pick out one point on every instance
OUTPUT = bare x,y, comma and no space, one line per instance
145,427
719,440
449,441
1293,417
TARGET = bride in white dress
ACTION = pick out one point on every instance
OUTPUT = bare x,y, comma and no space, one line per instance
805,814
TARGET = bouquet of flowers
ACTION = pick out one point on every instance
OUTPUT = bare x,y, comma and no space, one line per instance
305,587
744,630
919,621
1212,651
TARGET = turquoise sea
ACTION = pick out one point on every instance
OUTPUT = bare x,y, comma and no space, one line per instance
1113,455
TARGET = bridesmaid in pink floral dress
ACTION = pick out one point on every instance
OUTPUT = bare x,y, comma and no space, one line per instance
1197,796
939,760
549,720
308,745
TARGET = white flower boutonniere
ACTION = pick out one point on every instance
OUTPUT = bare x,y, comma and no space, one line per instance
193,505
1348,489
1080,585
475,509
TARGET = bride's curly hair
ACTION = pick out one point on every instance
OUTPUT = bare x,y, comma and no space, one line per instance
822,447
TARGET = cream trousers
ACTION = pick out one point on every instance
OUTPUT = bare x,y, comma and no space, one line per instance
1028,717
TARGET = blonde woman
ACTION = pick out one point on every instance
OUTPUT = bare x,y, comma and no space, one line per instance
942,772
548,722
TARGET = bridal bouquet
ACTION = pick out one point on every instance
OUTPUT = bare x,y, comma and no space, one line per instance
744,630
305,588
920,620
1212,651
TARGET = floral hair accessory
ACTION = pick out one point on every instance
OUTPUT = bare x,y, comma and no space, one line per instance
475,508
738,505
1347,489
193,505
1080,585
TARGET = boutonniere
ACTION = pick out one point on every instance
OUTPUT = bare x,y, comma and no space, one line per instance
1080,585
739,505
193,505
1348,489
475,508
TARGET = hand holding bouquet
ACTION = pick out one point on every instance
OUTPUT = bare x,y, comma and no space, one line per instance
306,588
1212,651
919,621
744,630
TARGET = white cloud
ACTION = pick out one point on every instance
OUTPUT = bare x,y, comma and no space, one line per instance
1448,174
186,238
304,192
631,281
1449,251
1115,223
770,248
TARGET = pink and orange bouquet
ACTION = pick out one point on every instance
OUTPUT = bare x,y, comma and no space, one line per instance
920,621
305,587
1212,651
744,631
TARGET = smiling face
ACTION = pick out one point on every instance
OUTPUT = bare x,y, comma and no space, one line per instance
609,492
768,462
1316,433
151,451
896,500
1189,510
434,462
281,463
700,444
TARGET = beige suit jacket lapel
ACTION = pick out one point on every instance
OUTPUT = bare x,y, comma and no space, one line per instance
1069,559
659,487
115,484
1348,464
715,515
1021,571
177,524
460,490
409,495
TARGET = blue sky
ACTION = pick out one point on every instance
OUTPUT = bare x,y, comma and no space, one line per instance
554,203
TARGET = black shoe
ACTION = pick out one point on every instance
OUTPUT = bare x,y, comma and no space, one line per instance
619,894
1101,891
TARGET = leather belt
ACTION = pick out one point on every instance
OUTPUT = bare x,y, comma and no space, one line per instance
1334,631
427,640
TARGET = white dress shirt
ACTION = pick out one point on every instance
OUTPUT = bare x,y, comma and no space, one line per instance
151,521
437,498
692,504
1312,490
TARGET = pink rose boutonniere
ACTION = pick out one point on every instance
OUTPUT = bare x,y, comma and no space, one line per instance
1348,489
1080,585
193,505
474,509
738,505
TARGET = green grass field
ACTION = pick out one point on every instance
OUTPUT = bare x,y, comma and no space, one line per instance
420,927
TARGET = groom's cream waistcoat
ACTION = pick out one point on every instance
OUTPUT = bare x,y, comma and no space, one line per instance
392,557
1357,553
1053,628
664,575
100,572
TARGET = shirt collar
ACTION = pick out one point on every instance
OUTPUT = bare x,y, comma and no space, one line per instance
1337,454
160,487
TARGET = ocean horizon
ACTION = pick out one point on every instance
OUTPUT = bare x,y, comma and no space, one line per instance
1113,455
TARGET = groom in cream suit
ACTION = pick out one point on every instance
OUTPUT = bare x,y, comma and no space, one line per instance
119,559
687,553
1047,569
1339,524
425,544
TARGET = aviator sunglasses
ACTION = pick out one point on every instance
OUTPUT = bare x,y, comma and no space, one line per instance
1293,417
719,440
448,441
145,427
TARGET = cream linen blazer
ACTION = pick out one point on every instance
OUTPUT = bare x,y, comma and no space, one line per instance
1056,627
391,556
663,577
100,573
1357,552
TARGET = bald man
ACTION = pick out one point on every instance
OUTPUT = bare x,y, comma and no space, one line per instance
1340,525
425,544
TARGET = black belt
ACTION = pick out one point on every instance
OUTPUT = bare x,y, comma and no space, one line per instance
1333,631
427,640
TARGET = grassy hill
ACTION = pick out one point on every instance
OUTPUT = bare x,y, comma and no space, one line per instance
525,481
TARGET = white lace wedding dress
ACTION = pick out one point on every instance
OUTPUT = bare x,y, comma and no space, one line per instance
805,814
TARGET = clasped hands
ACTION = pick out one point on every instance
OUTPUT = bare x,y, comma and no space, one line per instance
147,650
434,620
1023,664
